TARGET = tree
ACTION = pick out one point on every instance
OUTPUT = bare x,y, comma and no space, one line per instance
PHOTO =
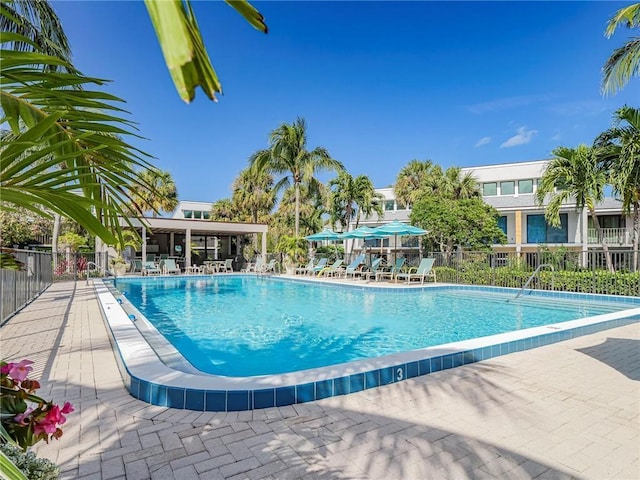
288,156
253,195
619,150
161,194
67,154
624,62
21,227
469,223
223,211
413,179
353,198
574,174
456,186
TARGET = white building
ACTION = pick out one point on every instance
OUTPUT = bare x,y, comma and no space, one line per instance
511,188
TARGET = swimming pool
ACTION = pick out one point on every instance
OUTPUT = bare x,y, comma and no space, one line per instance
155,372
243,326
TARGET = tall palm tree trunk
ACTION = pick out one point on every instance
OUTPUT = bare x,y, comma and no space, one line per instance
636,234
605,247
297,209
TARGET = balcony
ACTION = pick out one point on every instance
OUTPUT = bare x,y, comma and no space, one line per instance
612,236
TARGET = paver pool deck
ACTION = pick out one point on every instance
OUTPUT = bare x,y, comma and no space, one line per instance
567,410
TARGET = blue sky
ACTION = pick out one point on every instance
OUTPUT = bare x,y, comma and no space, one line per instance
379,83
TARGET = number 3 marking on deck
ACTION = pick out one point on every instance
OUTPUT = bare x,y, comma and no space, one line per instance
399,375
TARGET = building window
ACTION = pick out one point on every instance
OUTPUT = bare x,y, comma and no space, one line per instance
538,231
197,214
489,189
507,188
502,224
206,215
188,214
388,205
525,186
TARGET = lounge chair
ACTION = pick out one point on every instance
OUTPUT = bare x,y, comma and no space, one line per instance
332,270
168,265
390,271
227,267
425,270
354,267
373,270
322,263
136,266
150,268
268,267
253,267
303,270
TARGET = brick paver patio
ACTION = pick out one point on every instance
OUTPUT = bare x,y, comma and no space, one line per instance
568,410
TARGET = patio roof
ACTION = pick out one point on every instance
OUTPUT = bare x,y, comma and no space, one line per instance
199,227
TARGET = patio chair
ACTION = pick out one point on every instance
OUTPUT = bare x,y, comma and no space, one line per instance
391,271
425,270
268,267
136,266
304,269
332,270
354,267
227,267
253,267
322,263
373,270
150,268
151,257
168,265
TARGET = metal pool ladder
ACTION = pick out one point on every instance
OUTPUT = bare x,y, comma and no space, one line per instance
535,272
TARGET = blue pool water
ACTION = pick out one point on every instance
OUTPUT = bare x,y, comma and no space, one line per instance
245,326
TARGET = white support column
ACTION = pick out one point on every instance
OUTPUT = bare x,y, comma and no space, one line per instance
264,247
187,248
584,224
216,245
144,244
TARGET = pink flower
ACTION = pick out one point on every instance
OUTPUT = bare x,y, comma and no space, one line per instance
67,408
5,369
19,371
20,418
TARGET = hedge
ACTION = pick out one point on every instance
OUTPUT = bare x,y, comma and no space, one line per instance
590,281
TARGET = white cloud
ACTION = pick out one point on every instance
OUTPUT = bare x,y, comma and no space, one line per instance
523,136
507,103
483,141
556,137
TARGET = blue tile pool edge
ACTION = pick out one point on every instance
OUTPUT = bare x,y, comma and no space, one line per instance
150,380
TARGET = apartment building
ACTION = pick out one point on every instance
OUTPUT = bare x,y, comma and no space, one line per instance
511,189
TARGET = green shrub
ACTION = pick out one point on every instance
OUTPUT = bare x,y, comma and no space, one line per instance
33,467
589,281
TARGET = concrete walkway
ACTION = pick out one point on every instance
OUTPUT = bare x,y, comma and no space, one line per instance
569,410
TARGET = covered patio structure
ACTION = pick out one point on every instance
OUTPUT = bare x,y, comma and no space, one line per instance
195,241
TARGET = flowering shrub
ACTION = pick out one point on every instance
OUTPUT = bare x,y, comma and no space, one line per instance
26,418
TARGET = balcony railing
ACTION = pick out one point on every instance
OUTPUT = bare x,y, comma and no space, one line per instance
612,236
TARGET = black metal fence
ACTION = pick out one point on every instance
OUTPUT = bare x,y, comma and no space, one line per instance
75,266
19,287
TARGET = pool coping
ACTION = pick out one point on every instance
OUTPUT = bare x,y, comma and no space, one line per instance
147,378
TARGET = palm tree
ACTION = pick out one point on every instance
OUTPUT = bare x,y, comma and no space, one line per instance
223,211
456,186
77,165
353,198
161,194
253,195
619,150
574,173
624,62
412,180
288,155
